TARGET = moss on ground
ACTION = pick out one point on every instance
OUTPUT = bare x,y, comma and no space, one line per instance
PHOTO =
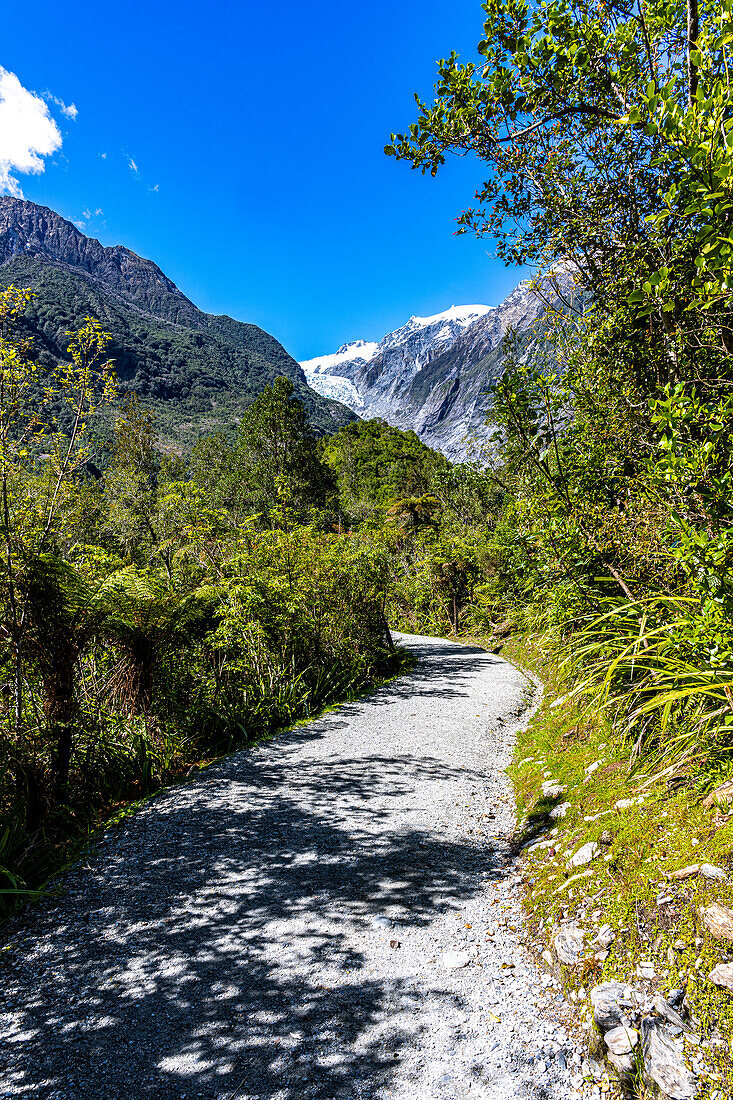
665,828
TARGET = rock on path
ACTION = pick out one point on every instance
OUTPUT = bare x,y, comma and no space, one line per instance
322,916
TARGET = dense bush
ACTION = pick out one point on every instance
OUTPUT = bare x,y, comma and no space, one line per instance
150,620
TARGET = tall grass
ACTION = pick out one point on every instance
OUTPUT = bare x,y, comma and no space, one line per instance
665,679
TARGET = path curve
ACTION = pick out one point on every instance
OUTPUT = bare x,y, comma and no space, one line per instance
279,927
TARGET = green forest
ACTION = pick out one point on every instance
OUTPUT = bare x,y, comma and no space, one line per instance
160,609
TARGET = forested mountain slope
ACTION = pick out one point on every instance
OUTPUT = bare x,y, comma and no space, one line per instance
196,371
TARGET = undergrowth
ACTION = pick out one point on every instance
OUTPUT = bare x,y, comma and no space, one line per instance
63,840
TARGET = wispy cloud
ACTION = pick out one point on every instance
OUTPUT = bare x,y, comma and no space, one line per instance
133,167
156,188
70,110
87,215
28,133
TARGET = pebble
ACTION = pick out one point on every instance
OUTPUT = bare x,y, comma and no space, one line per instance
553,790
381,922
455,960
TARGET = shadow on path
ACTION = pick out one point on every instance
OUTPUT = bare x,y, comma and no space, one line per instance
207,949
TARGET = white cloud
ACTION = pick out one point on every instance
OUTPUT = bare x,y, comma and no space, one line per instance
103,156
28,133
132,164
156,188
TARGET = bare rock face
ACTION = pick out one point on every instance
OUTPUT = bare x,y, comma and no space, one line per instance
433,373
197,370
27,229
664,1064
718,920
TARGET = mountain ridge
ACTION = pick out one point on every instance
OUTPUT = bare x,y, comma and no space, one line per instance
198,371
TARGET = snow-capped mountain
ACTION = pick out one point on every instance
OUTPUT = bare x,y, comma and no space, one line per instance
333,372
407,349
431,374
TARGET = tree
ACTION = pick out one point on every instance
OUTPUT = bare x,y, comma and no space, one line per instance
377,464
275,461
131,482
605,130
63,612
149,623
40,410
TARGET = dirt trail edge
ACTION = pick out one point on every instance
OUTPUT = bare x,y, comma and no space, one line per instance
334,913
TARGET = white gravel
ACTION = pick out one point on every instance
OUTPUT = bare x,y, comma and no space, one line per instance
334,913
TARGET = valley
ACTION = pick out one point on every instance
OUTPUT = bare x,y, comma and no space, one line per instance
366,722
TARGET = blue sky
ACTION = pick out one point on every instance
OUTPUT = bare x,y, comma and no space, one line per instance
240,146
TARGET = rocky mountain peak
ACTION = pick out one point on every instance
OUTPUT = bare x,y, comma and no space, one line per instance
27,229
197,370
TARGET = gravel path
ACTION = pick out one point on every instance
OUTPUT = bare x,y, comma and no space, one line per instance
280,927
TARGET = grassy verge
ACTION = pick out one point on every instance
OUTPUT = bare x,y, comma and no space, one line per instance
643,831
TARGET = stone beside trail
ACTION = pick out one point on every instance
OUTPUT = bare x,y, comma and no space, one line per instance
334,913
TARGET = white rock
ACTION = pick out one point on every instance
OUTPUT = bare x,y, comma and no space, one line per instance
553,790
625,803
569,944
622,1063
560,811
381,922
722,975
621,1039
663,1062
593,767
584,855
455,960
611,1003
605,935
708,870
